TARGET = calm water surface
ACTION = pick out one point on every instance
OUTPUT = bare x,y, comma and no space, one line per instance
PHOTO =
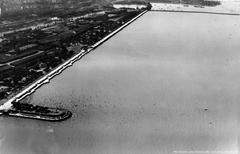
167,82
226,6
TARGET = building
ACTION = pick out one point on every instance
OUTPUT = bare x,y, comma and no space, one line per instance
41,4
12,6
7,6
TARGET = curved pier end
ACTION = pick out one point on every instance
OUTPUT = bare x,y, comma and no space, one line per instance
37,112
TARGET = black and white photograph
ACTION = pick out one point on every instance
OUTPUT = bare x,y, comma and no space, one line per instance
119,76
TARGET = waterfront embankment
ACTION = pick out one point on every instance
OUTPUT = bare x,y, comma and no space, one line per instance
46,79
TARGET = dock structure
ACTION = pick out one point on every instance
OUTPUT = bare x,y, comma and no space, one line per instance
96,34
36,112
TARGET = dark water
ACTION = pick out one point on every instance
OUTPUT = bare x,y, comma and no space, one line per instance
167,82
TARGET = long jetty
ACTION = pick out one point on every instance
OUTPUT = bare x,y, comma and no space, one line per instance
46,79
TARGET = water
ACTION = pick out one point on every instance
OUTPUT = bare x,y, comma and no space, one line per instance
167,82
224,8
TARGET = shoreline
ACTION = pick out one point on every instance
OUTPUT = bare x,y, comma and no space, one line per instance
58,70
181,11
188,8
